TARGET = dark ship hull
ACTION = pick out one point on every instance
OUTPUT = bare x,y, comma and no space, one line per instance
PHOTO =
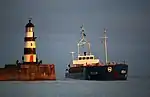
108,72
30,72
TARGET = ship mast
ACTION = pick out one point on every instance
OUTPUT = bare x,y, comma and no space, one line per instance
105,46
83,41
72,53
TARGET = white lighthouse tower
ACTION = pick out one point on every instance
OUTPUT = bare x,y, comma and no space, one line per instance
29,45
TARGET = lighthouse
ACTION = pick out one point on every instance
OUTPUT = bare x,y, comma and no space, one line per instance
30,56
30,69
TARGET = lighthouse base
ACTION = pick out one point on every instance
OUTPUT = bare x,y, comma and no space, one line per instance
28,72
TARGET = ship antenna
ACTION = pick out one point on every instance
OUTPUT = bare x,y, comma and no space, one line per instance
105,46
83,32
83,41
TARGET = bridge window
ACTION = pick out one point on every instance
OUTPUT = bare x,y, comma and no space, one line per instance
91,57
83,58
80,58
87,58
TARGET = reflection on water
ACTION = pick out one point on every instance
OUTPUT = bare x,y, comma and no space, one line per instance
134,87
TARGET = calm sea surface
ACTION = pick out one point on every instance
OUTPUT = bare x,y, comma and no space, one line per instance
134,87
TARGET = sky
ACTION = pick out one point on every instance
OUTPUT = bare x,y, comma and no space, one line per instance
57,27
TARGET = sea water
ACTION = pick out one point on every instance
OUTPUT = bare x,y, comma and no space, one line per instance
133,87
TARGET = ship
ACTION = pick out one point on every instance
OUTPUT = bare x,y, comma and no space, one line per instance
86,66
30,68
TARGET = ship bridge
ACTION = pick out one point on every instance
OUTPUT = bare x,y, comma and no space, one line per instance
85,60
